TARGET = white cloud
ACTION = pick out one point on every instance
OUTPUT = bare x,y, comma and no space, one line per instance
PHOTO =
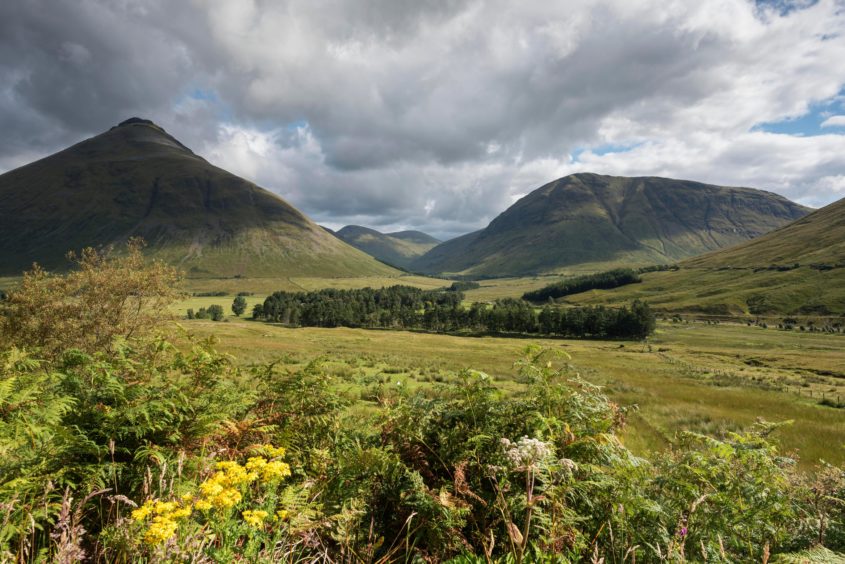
834,121
465,103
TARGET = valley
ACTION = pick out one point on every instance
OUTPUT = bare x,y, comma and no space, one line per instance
374,355
694,376
428,282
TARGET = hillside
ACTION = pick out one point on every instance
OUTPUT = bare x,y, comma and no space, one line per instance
593,222
399,248
759,277
137,180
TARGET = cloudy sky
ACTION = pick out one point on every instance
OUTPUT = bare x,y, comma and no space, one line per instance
438,114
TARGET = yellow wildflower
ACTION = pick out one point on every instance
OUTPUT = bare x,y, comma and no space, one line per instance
254,518
275,470
161,529
202,505
281,515
256,463
162,507
142,512
182,513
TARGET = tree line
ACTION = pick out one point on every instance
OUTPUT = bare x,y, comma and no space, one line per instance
405,307
600,281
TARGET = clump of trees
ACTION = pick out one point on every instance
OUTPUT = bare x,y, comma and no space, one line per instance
213,312
412,308
601,281
463,286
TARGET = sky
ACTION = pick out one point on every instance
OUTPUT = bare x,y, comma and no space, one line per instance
438,114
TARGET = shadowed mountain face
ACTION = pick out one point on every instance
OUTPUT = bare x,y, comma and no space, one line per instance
136,180
398,249
589,221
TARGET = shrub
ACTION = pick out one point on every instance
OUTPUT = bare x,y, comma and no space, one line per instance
109,295
215,312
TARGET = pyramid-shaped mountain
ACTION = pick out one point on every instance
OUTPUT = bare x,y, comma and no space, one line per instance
137,180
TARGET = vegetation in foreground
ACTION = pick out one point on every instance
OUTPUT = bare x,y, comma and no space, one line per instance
145,450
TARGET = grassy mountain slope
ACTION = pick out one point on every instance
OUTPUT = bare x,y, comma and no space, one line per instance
136,180
758,277
593,222
398,248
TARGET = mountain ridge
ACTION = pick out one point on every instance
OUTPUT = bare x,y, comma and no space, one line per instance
398,249
597,222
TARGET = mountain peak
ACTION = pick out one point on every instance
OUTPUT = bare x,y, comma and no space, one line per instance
137,180
133,120
139,121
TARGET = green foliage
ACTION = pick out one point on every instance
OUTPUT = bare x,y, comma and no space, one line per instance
539,475
407,307
601,281
239,305
463,286
213,312
92,423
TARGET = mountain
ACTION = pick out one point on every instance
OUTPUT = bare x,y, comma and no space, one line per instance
798,269
593,222
398,249
137,180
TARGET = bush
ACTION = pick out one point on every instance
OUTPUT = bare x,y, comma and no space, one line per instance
109,295
463,286
215,312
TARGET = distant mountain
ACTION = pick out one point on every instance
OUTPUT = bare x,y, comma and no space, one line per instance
137,180
817,238
398,248
593,222
798,269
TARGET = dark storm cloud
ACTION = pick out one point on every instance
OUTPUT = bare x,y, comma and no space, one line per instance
434,114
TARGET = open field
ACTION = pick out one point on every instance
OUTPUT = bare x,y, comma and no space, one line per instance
708,378
266,286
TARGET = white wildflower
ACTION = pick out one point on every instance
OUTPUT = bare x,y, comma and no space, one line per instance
526,452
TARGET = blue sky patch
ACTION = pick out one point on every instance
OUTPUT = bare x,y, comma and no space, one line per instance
810,123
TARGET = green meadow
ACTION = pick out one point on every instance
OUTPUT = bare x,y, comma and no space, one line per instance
690,376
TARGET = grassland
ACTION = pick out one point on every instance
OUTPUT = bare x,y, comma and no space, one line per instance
798,269
803,291
708,378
